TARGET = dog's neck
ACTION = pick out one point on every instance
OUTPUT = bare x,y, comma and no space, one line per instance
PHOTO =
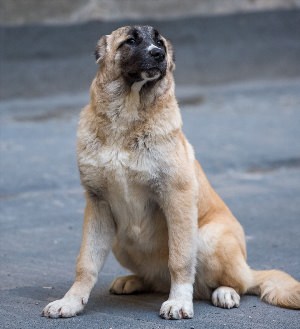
122,110
140,98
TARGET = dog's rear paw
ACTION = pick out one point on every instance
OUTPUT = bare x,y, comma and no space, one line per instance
177,309
125,285
65,307
225,297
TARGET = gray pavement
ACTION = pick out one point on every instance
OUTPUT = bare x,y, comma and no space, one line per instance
246,135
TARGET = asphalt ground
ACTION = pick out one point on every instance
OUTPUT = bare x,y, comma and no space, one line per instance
245,131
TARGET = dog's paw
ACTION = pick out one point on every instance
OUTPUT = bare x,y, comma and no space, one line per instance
225,297
65,307
176,309
125,285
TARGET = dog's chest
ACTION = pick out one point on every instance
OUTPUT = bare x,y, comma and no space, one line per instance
131,206
123,179
125,167
129,194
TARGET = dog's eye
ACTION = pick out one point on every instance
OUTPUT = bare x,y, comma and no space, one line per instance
159,43
131,41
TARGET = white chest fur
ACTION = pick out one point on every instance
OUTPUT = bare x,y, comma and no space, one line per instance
123,178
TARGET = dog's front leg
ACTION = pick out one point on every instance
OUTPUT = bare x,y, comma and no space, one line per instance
98,232
181,214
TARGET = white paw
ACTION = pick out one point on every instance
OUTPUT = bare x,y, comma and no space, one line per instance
225,297
125,285
65,307
176,309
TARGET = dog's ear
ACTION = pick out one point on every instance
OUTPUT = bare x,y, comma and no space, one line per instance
171,55
101,49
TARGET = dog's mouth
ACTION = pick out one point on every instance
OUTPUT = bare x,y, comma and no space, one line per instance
147,74
151,74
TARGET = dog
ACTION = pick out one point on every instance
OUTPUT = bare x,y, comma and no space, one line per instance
147,197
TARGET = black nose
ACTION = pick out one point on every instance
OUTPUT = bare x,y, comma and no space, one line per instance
158,54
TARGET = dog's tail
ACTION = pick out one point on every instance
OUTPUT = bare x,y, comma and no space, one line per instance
276,288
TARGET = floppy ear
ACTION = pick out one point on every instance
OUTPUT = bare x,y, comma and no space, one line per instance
171,55
101,49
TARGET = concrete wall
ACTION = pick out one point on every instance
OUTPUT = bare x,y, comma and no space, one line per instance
42,60
18,12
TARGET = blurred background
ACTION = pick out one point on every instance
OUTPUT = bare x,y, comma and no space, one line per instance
47,45
238,86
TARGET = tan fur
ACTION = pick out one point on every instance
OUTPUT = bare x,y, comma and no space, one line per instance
277,288
149,200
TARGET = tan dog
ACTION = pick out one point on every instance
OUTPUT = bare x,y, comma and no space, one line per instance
147,197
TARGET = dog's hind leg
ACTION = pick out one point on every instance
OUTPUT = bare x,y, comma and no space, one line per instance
222,273
129,284
225,297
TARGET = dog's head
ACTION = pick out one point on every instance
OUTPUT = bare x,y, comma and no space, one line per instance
136,53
